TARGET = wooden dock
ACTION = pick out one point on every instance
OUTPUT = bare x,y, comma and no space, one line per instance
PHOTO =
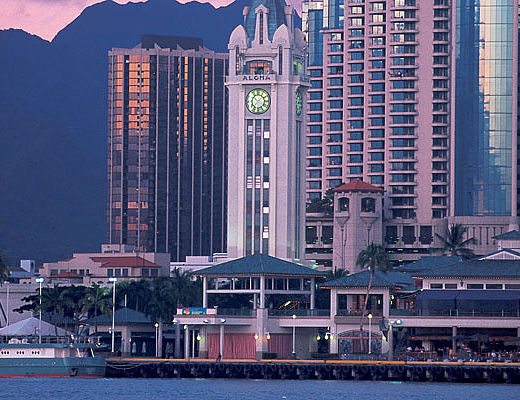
414,371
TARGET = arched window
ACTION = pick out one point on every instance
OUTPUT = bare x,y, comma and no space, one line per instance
343,204
237,60
280,60
261,34
368,204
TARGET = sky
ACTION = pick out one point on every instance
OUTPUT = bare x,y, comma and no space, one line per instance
46,18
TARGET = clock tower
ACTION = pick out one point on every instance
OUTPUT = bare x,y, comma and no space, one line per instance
267,86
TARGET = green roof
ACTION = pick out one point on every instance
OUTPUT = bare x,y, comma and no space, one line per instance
511,235
259,264
429,262
389,279
475,269
510,251
123,316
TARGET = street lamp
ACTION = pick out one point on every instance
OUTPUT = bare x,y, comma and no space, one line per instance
40,281
7,303
370,316
113,280
294,336
156,339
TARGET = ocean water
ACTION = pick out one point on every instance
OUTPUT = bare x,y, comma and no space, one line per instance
230,389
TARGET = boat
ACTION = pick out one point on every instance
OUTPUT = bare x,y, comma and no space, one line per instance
21,359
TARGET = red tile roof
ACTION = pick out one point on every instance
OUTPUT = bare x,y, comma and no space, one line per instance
110,262
357,186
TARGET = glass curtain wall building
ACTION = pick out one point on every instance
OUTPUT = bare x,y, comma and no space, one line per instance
486,86
167,149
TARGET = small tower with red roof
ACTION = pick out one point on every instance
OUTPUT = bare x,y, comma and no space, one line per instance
358,221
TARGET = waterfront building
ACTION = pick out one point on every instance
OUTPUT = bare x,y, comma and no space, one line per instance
167,130
398,90
88,268
267,86
442,305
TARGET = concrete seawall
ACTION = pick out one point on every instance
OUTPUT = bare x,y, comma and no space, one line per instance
332,370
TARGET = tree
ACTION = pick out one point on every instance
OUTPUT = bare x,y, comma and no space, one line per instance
454,244
4,271
96,299
374,258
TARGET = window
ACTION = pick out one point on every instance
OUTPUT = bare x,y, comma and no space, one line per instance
475,286
315,129
355,158
495,286
335,126
368,204
336,103
356,55
315,96
450,286
356,170
377,179
315,151
356,147
315,140
377,87
335,137
315,106
356,101
337,92
343,204
315,173
391,234
315,185
408,234
356,113
435,285
336,149
356,135
339,114
334,171
316,84
311,234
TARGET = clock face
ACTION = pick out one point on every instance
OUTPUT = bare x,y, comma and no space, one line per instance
258,101
299,102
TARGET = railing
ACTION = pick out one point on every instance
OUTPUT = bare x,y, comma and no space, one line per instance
300,313
236,311
456,313
356,313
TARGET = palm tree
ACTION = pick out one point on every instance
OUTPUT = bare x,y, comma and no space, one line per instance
96,299
373,258
454,243
4,270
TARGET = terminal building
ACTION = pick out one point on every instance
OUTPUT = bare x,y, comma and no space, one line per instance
435,308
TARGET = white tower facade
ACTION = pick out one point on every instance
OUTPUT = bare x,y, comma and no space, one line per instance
267,85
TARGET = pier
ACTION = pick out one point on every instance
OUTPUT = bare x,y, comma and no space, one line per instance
463,372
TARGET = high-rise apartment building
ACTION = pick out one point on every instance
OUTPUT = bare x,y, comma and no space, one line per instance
167,147
420,99
267,89
485,100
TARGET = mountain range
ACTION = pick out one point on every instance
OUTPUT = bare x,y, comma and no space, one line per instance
53,120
